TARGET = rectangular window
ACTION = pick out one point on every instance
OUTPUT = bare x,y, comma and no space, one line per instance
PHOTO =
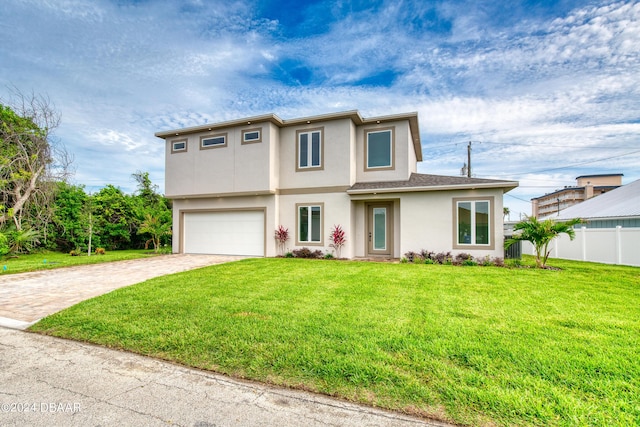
179,146
379,146
309,149
251,136
310,224
473,219
213,141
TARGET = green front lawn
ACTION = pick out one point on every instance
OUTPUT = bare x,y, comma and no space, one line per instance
472,345
46,260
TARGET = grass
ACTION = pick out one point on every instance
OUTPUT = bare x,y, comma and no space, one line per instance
470,345
47,260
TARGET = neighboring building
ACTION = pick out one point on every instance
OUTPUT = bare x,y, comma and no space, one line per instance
587,187
233,183
610,231
619,207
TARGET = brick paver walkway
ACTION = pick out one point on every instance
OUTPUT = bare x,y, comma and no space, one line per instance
28,297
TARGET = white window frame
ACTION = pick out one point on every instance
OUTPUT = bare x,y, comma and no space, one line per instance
457,244
392,144
249,132
179,150
309,241
222,136
309,132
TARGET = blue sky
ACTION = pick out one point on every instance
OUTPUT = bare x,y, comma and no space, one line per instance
546,91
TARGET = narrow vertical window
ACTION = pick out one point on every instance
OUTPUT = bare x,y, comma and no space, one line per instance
310,224
309,149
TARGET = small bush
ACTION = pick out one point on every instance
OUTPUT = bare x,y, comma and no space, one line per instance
100,251
428,261
338,239
74,252
412,256
425,254
307,253
328,255
498,262
442,258
288,255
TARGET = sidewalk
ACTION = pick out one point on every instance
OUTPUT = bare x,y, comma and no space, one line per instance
48,382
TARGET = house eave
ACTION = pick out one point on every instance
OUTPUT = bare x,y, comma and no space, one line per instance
353,115
247,121
220,195
506,186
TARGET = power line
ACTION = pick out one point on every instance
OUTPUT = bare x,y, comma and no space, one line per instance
576,164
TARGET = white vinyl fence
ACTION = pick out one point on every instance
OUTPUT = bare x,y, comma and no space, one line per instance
607,245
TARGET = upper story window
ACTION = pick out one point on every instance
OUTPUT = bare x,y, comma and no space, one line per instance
178,145
309,149
473,219
250,136
213,141
379,149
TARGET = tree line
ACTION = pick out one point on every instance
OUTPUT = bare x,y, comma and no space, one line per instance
41,209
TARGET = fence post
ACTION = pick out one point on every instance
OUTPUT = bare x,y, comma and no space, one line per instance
583,232
618,244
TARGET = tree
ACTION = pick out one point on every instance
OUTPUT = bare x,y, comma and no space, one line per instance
156,227
30,160
68,227
153,211
540,234
113,216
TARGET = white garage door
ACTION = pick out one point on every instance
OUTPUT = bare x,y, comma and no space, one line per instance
224,233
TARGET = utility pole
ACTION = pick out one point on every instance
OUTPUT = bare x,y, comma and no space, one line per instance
469,160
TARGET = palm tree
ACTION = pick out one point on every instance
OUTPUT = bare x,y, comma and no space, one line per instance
506,213
540,234
156,227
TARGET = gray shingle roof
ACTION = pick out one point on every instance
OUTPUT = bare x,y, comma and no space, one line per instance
424,182
624,201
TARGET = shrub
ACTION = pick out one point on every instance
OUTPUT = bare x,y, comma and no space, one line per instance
100,251
281,236
463,259
338,239
74,252
288,255
442,258
412,256
328,255
425,254
4,244
307,253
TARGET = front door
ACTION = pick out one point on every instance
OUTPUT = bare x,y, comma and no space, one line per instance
379,229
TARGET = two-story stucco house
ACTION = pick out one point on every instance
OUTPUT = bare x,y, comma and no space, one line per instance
233,183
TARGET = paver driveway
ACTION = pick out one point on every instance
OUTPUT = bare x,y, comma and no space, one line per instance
27,297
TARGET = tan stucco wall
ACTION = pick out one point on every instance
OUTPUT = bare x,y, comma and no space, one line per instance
402,166
427,222
336,211
336,162
236,167
269,203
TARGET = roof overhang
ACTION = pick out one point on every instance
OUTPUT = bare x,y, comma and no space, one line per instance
504,185
353,115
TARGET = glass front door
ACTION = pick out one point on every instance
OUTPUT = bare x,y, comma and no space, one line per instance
379,241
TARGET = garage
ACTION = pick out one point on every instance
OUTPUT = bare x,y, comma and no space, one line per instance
224,233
